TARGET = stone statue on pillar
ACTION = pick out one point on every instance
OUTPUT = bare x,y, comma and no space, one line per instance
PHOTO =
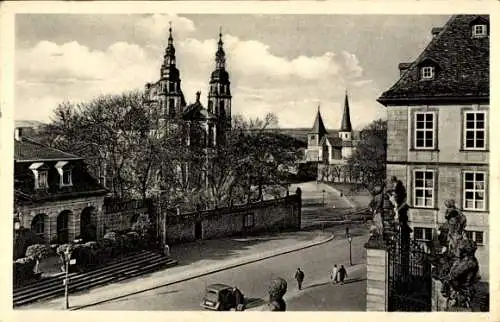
454,261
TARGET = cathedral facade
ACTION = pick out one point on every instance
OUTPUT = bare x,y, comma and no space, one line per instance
203,128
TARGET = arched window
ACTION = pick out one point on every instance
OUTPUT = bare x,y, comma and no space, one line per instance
38,225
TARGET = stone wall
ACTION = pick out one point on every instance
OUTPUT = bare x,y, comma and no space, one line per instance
260,217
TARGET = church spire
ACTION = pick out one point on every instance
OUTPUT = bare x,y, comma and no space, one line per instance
220,55
346,117
319,126
170,51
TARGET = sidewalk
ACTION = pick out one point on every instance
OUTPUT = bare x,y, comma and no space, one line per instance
195,260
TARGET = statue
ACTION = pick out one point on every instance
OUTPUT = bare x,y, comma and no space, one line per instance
276,290
455,264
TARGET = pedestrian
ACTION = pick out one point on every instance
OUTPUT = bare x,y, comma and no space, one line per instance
335,273
239,302
342,274
166,251
299,276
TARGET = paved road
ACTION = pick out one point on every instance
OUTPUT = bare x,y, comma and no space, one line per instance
252,280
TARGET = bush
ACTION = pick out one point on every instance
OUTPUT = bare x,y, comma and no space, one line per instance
23,270
143,225
38,252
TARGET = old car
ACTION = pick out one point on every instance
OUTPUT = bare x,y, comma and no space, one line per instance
220,297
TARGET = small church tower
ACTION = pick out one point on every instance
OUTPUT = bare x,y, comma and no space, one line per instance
345,132
219,95
314,137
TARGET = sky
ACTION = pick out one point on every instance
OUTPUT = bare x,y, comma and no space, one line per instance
285,64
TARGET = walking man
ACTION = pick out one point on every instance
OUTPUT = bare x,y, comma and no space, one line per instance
342,274
335,273
299,276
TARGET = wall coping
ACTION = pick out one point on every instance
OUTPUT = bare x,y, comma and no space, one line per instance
376,243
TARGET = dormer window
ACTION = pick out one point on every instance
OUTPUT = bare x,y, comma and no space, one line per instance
427,72
480,30
65,173
41,173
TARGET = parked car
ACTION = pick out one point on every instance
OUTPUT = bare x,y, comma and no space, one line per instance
220,297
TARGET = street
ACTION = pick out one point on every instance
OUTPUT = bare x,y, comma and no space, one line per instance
252,279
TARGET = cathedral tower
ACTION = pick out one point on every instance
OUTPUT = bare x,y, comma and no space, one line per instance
171,99
219,95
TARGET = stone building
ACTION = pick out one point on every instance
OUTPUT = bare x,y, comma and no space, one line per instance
54,195
332,149
204,127
437,137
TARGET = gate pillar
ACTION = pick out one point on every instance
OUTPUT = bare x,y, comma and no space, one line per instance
376,276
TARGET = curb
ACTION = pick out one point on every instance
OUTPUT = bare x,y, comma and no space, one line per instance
230,266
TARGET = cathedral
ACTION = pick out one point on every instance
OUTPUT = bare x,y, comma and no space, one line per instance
202,128
165,99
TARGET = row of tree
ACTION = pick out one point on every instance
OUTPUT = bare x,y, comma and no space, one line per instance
133,156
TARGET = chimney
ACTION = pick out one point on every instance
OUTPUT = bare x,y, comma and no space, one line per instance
198,93
436,30
403,67
18,133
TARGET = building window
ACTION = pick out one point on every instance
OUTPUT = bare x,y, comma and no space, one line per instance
171,86
66,178
427,72
249,220
476,236
210,106
475,130
171,107
474,190
423,188
222,89
424,130
479,30
422,234
64,173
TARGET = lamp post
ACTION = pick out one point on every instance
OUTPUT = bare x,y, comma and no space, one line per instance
67,255
349,239
323,198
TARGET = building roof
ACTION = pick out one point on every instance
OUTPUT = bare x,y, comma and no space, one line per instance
346,117
334,141
196,111
461,63
319,126
26,149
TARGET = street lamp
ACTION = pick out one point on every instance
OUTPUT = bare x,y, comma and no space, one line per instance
68,260
349,239
323,198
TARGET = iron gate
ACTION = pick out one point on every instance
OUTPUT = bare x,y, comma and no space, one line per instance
409,276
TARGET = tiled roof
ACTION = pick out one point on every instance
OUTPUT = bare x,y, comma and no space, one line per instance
29,150
461,62
333,140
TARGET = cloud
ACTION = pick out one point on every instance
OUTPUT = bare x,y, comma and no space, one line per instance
262,82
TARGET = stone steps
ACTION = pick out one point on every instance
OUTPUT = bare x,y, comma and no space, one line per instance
120,269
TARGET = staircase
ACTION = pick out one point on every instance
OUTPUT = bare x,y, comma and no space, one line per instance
117,270
319,217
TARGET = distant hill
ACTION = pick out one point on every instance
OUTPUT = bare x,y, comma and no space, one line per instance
26,123
300,134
